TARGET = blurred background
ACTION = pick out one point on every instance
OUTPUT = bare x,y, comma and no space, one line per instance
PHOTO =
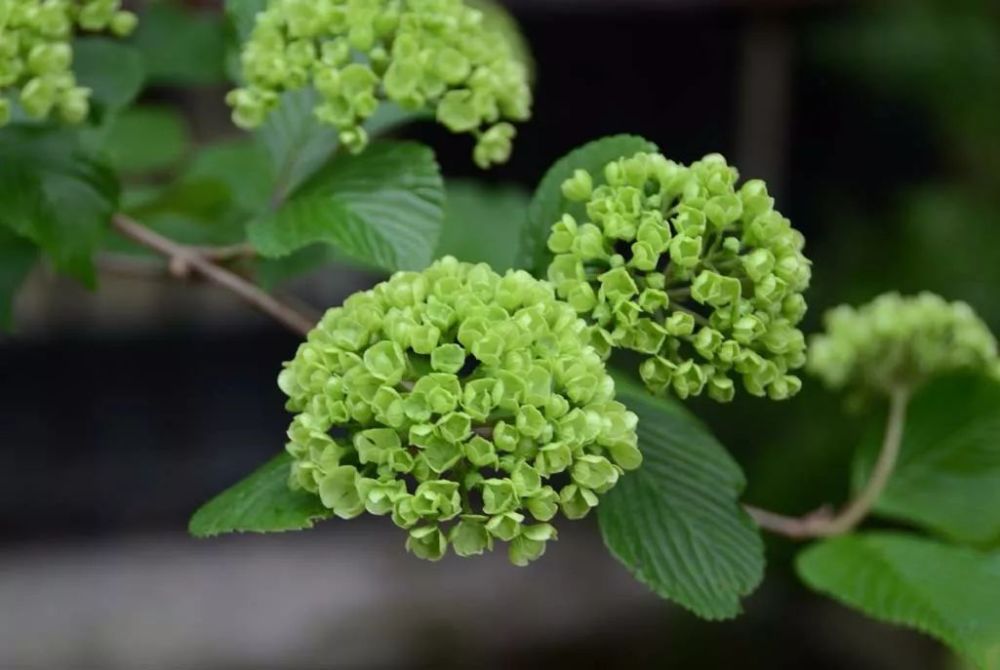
877,125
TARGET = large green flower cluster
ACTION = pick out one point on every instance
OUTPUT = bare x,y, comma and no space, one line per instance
898,341
36,56
463,404
435,54
675,262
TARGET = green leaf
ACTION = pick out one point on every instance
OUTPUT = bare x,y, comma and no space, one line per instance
947,479
548,204
17,258
242,13
241,166
260,503
951,593
181,46
112,70
146,139
676,522
383,207
483,224
296,142
56,195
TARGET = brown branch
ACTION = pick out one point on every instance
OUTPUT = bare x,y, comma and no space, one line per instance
184,260
823,522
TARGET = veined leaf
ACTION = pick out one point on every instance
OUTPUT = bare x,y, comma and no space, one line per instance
951,593
383,207
947,479
676,522
297,143
260,503
548,204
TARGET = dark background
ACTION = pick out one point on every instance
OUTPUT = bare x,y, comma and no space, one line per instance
878,127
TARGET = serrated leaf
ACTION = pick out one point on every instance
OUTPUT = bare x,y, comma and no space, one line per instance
383,207
56,195
676,522
112,70
483,223
17,257
947,479
180,45
260,503
951,593
548,204
296,142
146,139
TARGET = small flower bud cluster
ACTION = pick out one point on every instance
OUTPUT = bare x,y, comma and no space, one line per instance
901,341
435,54
677,263
36,57
466,405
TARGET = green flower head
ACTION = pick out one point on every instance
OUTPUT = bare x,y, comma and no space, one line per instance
467,406
701,276
36,55
897,341
421,54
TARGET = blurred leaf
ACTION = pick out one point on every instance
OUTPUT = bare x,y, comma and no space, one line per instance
676,522
17,257
241,165
948,475
56,195
950,593
383,207
111,69
483,224
272,272
548,204
181,46
146,139
261,503
242,14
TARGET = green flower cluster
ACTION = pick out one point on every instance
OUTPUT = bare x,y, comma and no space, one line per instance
675,262
461,403
435,54
898,341
36,56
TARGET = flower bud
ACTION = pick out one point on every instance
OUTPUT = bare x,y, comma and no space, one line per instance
459,393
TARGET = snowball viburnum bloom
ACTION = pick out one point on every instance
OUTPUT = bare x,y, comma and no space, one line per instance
420,54
466,405
675,262
36,56
897,340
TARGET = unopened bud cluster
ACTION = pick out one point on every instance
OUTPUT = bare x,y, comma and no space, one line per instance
677,263
36,57
897,340
466,405
435,54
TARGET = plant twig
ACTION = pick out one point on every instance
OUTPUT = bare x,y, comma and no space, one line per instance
183,260
823,523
